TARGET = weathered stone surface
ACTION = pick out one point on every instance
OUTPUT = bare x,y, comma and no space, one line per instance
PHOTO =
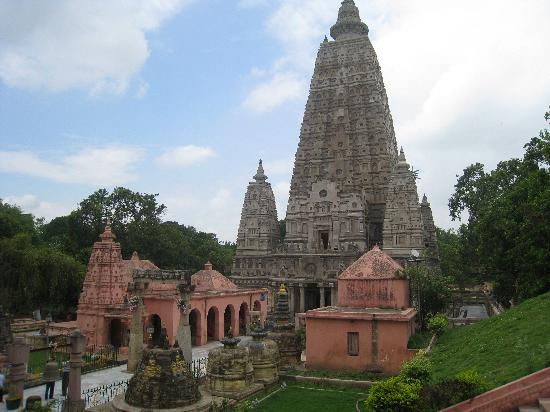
283,333
403,226
229,371
264,354
163,380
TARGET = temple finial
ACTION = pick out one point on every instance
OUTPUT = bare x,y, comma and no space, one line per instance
349,24
260,175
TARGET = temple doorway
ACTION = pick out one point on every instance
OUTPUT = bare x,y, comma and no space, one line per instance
227,319
323,236
194,319
211,321
244,316
312,298
156,324
115,333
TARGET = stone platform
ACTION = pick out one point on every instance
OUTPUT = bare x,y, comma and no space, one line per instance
119,405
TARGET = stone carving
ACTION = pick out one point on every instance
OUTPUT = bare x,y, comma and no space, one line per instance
5,330
162,381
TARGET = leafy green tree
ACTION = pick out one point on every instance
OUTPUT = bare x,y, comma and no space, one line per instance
430,292
508,229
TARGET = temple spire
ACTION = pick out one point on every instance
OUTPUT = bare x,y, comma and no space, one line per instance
260,175
349,24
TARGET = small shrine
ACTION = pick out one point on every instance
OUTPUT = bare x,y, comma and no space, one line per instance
264,354
229,372
370,328
283,333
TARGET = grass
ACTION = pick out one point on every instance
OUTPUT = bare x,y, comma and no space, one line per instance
354,376
502,349
311,398
420,340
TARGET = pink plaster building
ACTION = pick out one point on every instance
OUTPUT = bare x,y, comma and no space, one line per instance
216,304
371,326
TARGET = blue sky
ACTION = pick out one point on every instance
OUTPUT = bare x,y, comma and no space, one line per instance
182,97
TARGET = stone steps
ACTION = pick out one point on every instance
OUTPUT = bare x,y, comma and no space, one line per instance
544,406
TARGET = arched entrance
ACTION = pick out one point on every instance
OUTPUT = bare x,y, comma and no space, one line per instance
211,322
156,324
244,319
257,306
228,316
195,326
115,333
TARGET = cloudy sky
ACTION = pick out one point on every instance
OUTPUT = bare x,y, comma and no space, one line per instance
182,97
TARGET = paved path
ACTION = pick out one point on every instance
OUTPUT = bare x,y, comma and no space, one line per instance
107,376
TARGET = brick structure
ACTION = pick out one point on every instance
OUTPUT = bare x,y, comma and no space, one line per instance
371,326
349,189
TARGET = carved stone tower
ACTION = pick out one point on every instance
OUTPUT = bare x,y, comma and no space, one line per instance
259,228
346,173
347,146
403,226
430,234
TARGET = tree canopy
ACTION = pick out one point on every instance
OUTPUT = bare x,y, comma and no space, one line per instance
506,237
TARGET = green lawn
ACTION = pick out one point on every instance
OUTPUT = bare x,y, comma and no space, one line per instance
502,348
420,340
309,398
355,376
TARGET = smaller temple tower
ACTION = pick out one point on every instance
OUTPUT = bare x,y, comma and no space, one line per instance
100,307
430,233
403,226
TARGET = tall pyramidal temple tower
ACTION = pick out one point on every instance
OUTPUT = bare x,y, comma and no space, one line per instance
350,188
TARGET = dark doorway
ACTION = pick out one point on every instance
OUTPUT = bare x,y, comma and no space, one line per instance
243,319
193,324
323,235
227,318
313,298
211,321
156,323
115,333
257,306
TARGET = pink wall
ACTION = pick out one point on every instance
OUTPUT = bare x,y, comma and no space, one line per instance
522,392
327,344
379,293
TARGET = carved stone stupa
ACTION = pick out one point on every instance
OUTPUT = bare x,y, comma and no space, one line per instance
229,372
283,333
264,354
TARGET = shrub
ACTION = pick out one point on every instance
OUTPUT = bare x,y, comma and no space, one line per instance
449,392
395,394
438,324
418,368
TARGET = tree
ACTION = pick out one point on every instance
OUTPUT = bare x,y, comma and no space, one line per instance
429,292
508,229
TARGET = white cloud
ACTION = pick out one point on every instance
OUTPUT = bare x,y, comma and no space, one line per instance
96,166
213,212
281,191
32,204
281,88
142,89
84,44
185,156
467,81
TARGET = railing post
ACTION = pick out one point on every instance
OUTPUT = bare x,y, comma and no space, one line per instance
18,356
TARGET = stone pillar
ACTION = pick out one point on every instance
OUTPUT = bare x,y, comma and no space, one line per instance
135,346
74,402
322,296
184,328
333,296
18,356
302,299
291,298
